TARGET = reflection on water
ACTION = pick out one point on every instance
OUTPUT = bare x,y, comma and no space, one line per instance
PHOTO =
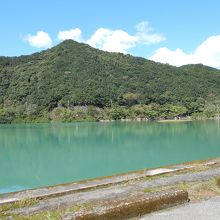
34,155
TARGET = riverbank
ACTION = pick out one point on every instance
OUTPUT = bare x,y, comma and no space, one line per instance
175,120
138,112
43,120
117,197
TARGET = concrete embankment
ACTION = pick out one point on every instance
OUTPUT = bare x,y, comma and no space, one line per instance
116,197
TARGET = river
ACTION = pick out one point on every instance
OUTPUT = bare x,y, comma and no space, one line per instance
37,155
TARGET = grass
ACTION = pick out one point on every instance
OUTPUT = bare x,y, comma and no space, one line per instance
204,190
20,204
56,214
197,190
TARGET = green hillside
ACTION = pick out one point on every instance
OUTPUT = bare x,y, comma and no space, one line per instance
74,81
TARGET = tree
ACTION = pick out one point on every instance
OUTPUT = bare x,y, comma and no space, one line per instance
130,98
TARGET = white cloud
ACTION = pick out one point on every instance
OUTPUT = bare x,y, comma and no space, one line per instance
145,35
112,41
40,40
207,53
103,38
121,41
73,34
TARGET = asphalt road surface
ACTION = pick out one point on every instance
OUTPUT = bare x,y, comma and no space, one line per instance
205,210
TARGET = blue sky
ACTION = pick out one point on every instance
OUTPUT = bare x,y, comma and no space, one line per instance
169,31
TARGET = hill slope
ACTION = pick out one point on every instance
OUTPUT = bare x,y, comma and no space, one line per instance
74,74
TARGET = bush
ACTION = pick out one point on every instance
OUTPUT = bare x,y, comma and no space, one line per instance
6,116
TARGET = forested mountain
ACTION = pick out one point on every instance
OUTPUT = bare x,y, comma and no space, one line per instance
74,76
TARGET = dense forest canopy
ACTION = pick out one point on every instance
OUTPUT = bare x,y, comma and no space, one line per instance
73,76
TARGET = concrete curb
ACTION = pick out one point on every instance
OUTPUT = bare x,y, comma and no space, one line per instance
132,206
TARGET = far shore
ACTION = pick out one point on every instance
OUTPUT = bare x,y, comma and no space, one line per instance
174,120
147,120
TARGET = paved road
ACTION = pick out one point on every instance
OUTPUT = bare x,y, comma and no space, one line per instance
206,210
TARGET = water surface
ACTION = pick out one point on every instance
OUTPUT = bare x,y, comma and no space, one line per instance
36,155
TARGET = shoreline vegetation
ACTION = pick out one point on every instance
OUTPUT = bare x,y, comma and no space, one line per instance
75,82
139,113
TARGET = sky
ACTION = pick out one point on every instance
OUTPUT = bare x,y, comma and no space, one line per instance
177,32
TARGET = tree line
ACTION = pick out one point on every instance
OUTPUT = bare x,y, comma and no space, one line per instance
73,76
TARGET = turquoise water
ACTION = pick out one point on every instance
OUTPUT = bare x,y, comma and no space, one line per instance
36,155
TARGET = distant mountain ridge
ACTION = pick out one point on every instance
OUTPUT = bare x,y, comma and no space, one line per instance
75,74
